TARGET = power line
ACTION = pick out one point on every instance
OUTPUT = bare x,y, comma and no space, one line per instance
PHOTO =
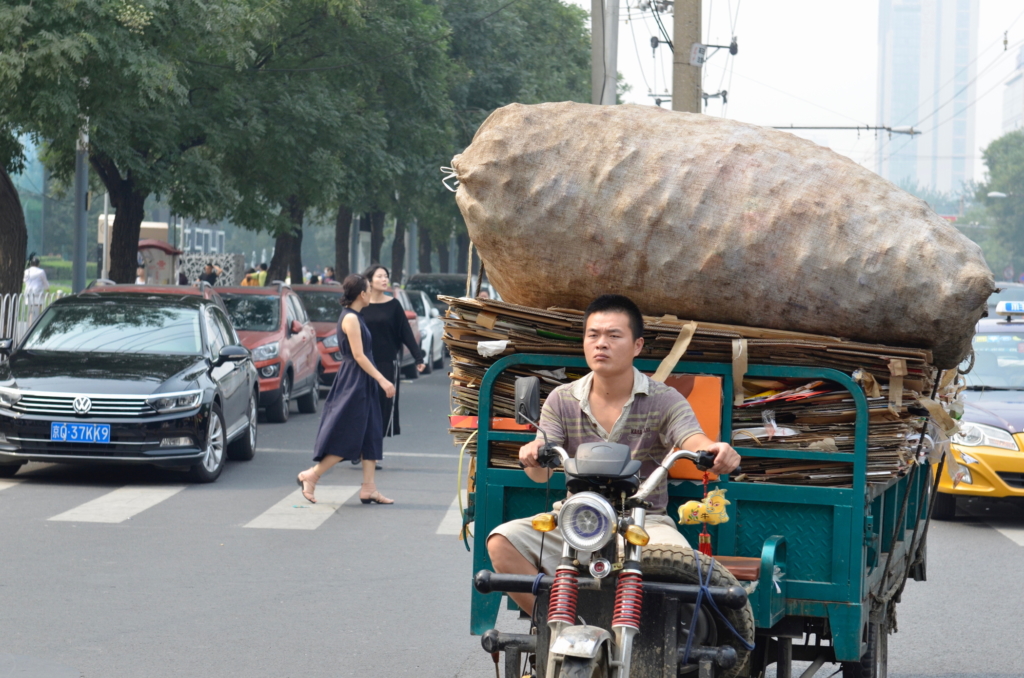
636,48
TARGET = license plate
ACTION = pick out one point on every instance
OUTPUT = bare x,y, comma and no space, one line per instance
71,432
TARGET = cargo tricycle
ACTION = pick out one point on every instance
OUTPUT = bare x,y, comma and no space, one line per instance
798,573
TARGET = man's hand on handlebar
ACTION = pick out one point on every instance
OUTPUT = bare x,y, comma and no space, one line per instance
726,458
528,454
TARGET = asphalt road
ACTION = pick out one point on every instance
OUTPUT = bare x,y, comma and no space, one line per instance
229,579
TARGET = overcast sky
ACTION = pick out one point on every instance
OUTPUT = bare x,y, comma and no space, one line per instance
810,62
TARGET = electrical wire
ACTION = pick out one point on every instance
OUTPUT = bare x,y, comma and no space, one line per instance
636,48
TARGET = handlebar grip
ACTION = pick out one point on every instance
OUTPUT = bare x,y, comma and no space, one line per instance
547,457
705,460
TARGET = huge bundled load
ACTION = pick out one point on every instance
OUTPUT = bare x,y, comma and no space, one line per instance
716,220
788,414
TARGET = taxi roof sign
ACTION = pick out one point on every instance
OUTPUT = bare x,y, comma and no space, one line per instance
1010,308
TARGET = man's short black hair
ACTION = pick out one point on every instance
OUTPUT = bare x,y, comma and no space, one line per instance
616,303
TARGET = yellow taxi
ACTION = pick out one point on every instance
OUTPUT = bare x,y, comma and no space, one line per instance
990,444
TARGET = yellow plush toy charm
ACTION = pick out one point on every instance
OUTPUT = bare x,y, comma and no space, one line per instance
710,511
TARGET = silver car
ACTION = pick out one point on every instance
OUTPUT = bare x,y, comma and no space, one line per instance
431,330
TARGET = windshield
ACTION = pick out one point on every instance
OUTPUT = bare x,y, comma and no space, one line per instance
254,312
1007,294
322,307
998,360
119,327
434,285
416,299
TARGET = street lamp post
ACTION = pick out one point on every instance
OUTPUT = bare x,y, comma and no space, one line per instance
78,257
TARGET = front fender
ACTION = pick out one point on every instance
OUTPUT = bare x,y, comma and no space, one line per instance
580,641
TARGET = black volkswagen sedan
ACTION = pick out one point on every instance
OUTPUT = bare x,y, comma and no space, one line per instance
158,379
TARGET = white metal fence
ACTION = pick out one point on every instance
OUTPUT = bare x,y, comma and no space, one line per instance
18,311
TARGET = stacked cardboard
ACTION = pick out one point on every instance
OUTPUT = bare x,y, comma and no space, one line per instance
786,414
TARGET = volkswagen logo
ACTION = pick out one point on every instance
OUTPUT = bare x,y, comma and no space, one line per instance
82,405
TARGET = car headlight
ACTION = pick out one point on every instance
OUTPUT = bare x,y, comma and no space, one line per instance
331,341
266,351
9,396
587,521
976,435
176,402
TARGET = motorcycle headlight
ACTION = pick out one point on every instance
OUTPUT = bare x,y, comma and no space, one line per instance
9,396
977,435
266,351
331,341
587,521
177,402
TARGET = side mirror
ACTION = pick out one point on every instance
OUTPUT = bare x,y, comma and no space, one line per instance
434,313
233,354
527,400
296,327
6,346
410,315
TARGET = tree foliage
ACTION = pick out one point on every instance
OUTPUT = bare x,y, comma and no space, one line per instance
1004,159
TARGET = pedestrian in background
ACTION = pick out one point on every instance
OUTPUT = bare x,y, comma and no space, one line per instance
210,273
328,276
251,278
140,275
263,275
36,286
390,330
350,423
314,279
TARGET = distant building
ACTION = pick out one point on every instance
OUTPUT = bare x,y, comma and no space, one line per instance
926,71
1013,97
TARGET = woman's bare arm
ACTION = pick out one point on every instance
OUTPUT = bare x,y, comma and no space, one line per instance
350,326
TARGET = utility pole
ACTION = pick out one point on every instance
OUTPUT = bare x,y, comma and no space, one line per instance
81,193
687,89
604,49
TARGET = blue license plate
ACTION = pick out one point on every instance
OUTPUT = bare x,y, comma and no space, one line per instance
72,432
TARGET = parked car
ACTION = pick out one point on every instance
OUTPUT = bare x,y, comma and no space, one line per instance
273,324
203,289
324,305
432,328
116,377
408,362
991,438
448,284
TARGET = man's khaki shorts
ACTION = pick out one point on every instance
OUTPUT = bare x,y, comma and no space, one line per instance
527,540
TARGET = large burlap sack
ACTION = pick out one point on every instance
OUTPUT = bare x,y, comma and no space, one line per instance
715,220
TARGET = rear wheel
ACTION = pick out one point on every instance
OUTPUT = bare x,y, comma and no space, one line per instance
945,506
8,470
278,411
212,463
308,403
670,563
244,447
874,663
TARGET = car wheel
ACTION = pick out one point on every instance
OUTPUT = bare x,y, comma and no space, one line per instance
8,470
209,467
278,412
308,403
428,362
439,363
945,506
244,447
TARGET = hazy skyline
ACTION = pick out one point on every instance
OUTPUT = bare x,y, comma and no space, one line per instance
807,62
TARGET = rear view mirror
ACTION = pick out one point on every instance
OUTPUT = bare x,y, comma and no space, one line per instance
233,353
527,400
434,313
5,346
296,327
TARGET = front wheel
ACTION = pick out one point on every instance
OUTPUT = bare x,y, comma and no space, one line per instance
578,667
212,463
945,506
278,411
428,361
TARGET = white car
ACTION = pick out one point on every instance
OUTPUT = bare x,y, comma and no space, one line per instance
431,330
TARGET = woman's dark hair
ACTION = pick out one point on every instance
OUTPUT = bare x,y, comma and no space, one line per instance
616,303
34,261
353,286
370,272
314,279
250,270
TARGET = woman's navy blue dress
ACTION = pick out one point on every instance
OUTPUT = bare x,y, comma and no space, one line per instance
350,424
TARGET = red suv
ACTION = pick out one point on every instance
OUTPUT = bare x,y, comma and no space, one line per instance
272,323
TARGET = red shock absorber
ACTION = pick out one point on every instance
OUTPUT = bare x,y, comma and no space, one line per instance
629,600
565,593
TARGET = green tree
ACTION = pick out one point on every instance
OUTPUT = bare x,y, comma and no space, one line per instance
1004,159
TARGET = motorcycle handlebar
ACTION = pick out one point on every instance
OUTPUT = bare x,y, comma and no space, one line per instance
703,459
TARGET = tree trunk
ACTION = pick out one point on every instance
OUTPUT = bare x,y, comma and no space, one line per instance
398,251
376,236
13,241
342,236
129,202
442,256
463,257
426,249
287,257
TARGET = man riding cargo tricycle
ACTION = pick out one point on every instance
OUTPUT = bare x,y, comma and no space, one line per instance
613,588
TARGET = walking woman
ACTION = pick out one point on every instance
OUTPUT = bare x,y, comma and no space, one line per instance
350,425
390,329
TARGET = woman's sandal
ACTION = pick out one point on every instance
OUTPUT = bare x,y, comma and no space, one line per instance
373,497
308,494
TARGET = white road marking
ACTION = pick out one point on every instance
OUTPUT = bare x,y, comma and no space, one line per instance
295,513
452,521
4,484
386,454
1014,534
120,505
